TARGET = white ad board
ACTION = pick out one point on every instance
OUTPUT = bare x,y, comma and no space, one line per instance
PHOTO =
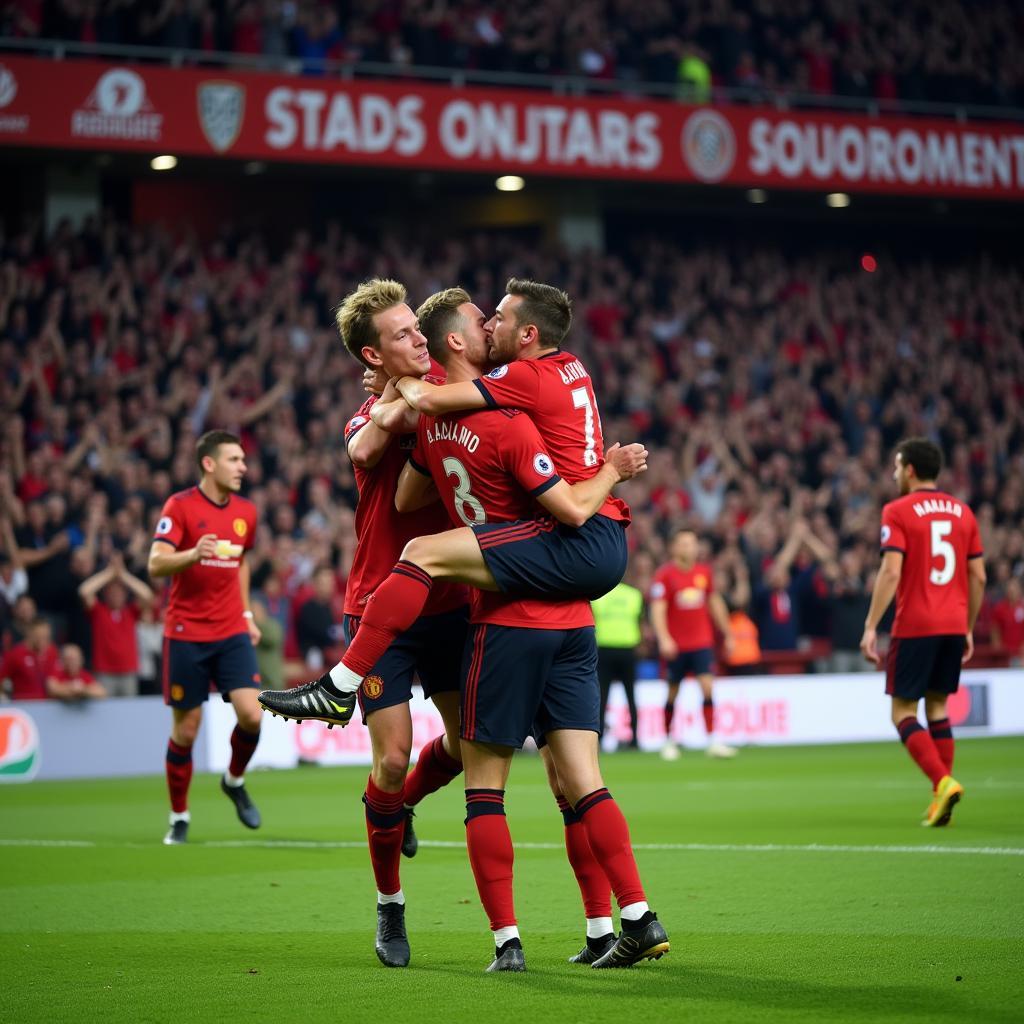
750,710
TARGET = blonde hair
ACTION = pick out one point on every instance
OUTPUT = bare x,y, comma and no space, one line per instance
438,316
354,315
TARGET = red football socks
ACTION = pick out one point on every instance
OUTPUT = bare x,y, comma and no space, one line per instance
608,834
434,768
178,764
590,876
709,717
490,854
243,746
921,748
392,608
942,736
385,825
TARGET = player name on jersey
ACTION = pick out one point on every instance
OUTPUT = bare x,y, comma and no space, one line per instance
938,506
443,430
572,372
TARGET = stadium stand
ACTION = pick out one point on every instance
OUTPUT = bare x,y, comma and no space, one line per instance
770,387
947,52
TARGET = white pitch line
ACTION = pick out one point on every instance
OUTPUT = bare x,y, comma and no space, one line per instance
309,844
77,843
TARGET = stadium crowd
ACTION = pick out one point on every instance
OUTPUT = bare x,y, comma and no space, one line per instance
769,386
948,51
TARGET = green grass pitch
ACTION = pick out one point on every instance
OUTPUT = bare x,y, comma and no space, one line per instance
796,884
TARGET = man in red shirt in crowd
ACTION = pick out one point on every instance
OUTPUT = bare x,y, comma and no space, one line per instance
530,666
72,681
31,663
115,649
1008,622
932,563
684,605
209,632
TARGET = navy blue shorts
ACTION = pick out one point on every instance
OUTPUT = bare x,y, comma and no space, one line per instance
429,652
544,558
917,664
191,668
690,663
519,682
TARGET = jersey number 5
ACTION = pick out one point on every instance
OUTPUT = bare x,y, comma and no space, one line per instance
941,548
467,504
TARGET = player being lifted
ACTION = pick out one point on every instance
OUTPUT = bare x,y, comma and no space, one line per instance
932,562
584,560
209,632
531,664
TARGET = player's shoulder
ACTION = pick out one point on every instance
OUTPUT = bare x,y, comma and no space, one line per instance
516,368
362,414
238,504
184,497
897,505
966,512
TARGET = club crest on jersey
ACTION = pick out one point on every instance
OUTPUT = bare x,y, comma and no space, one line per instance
498,372
542,464
356,421
240,527
164,526
886,534
373,687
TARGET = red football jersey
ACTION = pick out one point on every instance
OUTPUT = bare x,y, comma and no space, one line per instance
687,592
489,467
382,531
1009,617
206,600
936,534
28,670
114,644
557,392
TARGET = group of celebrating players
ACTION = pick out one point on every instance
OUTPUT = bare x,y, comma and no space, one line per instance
485,526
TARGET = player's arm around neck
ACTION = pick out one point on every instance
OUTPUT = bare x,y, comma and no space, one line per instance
436,399
396,417
415,490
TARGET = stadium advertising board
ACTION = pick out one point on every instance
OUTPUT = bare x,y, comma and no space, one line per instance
750,710
128,736
86,104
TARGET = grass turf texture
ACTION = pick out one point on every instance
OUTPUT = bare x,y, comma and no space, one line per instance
278,925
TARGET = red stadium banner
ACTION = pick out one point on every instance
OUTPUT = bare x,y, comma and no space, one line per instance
242,115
